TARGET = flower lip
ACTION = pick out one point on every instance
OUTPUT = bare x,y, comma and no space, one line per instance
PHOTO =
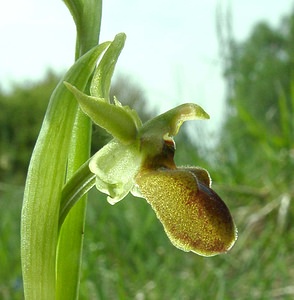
193,215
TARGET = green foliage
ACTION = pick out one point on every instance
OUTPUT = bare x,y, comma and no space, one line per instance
256,142
10,271
259,69
259,76
254,160
55,157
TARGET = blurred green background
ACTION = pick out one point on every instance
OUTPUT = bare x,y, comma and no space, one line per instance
251,157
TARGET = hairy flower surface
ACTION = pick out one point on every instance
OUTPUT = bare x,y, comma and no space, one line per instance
193,215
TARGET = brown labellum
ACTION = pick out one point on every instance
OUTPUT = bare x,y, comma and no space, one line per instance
193,215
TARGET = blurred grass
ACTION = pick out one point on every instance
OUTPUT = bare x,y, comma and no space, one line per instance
10,269
128,256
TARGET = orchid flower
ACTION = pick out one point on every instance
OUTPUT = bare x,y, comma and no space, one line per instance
140,160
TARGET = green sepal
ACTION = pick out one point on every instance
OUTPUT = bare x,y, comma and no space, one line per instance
101,81
124,121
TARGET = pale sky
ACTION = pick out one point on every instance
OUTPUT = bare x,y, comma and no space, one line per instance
171,48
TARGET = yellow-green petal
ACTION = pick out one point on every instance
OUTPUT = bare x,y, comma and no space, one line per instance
193,215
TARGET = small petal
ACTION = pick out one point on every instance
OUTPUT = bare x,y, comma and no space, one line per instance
193,215
165,126
169,123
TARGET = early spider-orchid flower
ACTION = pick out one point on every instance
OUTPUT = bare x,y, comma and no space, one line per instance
140,160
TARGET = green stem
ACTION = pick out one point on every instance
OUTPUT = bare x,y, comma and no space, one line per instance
87,16
82,181
71,234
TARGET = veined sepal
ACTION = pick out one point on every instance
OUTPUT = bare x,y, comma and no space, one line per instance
120,121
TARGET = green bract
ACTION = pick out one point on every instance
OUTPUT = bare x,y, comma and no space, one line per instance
140,159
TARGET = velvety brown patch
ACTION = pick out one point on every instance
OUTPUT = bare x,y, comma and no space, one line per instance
193,215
